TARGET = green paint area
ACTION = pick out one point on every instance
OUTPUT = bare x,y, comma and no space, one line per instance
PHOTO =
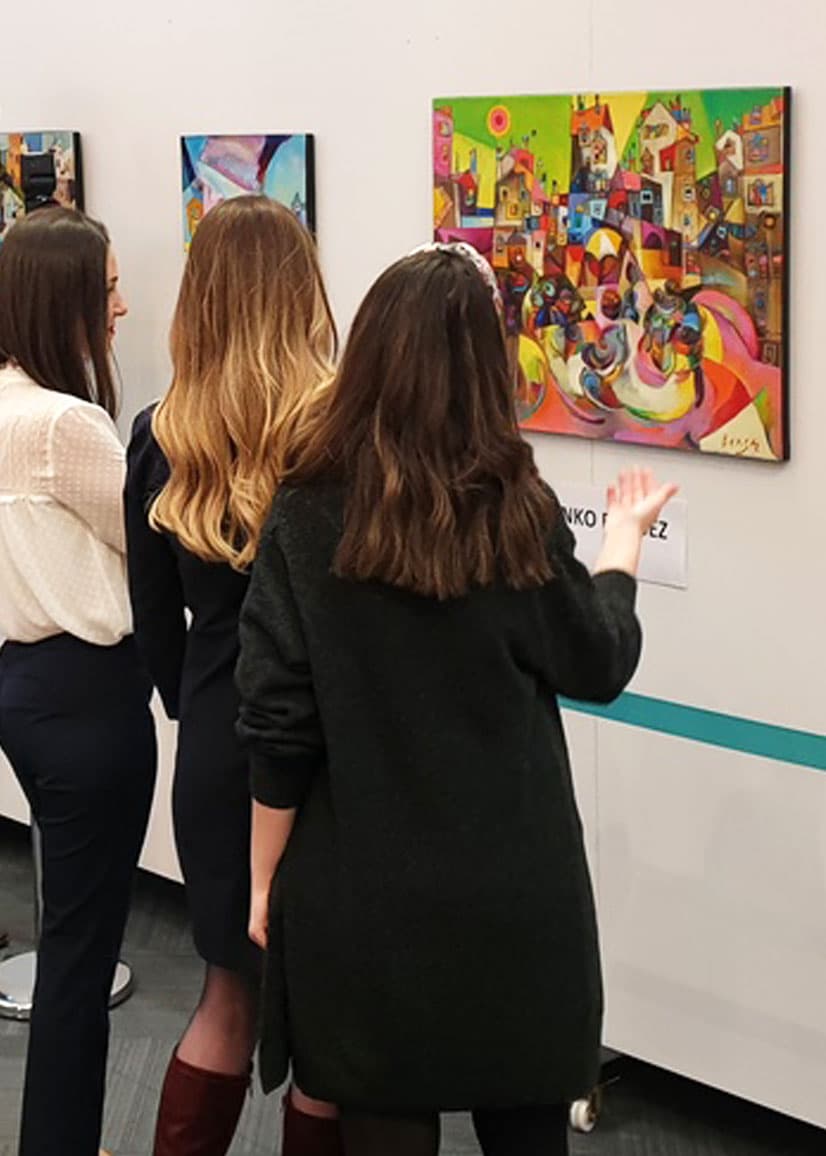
544,120
542,124
725,105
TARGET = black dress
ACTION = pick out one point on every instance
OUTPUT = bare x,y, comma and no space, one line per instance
193,671
433,942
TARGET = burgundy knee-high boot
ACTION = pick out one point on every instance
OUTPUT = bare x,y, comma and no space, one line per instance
306,1135
199,1111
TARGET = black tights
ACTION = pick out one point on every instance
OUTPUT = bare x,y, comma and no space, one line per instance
507,1132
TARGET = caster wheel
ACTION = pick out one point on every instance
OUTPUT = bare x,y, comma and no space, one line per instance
584,1114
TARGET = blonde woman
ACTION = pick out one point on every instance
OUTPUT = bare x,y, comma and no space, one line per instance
252,338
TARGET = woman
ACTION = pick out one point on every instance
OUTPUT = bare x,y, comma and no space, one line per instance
74,715
414,611
251,338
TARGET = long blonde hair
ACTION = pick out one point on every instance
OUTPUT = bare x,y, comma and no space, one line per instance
252,341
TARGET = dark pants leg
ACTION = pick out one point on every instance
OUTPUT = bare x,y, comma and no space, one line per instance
75,725
380,1135
523,1131
507,1132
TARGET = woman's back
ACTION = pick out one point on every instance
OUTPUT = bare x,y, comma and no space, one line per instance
438,825
61,537
186,660
186,625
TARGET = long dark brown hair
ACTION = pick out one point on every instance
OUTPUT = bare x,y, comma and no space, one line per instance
53,304
442,491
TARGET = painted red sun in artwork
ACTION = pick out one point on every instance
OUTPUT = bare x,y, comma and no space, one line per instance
499,120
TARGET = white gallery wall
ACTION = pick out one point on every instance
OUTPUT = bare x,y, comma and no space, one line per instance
710,864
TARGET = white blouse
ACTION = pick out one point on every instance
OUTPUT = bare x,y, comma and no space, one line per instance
62,540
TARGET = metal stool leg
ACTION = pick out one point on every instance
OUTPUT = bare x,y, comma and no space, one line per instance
17,974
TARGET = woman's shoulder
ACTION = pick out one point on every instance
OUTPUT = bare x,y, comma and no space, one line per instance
142,426
306,512
296,500
64,409
75,425
146,460
31,397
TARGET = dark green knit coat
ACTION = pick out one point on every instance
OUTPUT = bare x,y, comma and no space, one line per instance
432,933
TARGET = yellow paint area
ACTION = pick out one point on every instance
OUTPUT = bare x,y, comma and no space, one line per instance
485,166
712,341
625,109
532,360
442,205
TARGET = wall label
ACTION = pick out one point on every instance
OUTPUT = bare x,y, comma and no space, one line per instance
664,558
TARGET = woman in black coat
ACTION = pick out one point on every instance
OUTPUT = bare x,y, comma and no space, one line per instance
252,338
414,611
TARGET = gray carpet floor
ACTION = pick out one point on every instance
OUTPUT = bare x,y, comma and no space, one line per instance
647,1112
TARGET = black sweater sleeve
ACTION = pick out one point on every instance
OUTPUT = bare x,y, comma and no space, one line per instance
278,722
154,580
592,637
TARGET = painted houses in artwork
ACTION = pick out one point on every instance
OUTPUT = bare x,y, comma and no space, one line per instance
669,214
667,147
593,147
680,226
762,194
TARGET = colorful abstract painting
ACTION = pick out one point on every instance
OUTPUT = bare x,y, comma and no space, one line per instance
38,168
640,242
218,167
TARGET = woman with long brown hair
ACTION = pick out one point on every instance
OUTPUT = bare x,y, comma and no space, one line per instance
416,607
252,339
74,701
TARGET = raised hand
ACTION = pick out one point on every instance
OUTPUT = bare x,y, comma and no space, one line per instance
635,501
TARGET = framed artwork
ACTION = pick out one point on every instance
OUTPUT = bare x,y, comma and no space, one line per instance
218,167
36,169
640,240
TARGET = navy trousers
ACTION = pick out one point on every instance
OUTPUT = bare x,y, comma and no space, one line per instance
76,727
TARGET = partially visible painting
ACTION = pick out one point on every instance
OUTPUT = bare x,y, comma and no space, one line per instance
36,169
218,167
640,241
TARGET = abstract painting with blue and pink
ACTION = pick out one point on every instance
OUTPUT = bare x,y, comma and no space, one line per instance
216,168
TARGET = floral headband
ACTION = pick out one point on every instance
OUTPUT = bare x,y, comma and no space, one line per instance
463,249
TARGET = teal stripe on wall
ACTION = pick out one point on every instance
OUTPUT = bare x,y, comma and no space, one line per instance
803,748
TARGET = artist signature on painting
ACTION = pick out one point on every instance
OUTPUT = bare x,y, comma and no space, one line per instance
740,446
